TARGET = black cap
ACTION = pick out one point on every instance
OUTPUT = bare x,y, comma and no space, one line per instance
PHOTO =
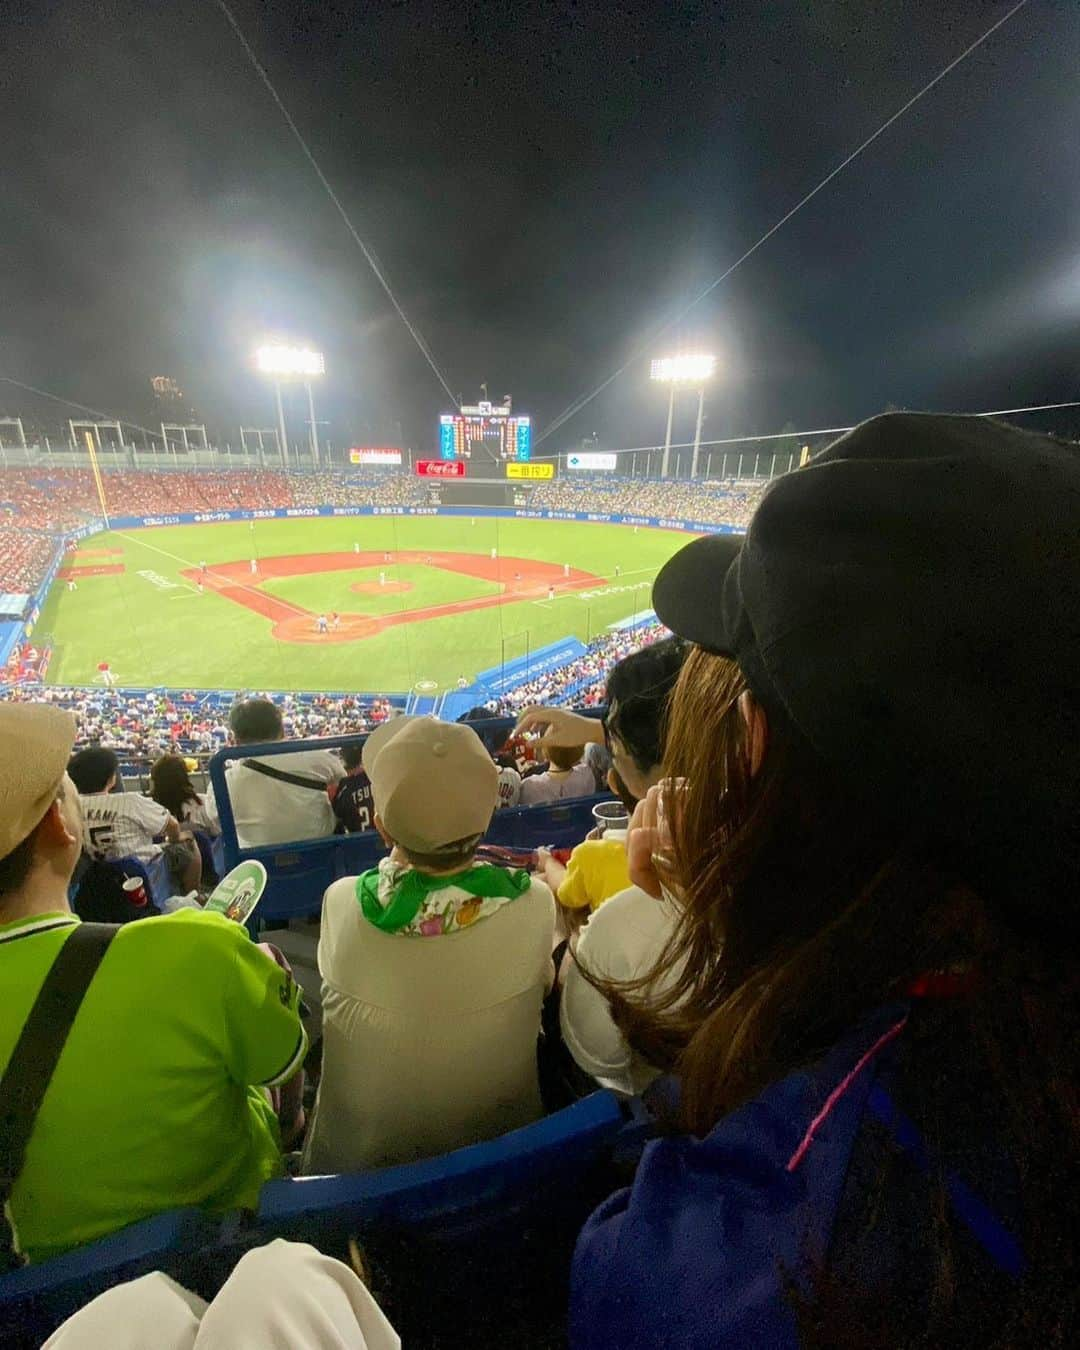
911,600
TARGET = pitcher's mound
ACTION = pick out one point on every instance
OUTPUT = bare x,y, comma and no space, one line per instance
373,587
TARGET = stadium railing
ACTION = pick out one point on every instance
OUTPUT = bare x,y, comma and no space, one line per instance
299,873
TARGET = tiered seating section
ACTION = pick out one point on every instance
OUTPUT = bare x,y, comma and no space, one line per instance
24,559
40,502
714,503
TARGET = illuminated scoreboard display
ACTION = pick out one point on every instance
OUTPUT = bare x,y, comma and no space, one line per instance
488,430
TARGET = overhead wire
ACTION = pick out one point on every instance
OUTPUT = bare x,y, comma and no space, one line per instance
372,261
574,408
807,433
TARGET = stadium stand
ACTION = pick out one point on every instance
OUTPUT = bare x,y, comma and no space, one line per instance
143,724
24,558
42,502
718,503
580,682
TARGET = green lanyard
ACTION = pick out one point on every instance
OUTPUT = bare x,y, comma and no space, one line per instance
413,888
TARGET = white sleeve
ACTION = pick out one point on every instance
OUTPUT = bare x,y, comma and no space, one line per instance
588,1029
210,807
328,767
148,813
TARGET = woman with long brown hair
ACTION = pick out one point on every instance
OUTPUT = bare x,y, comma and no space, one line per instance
171,786
872,1006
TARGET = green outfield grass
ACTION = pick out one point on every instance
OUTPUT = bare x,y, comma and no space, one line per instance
153,628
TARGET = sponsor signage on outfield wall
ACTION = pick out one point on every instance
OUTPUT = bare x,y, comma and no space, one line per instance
440,468
592,461
307,512
363,454
515,470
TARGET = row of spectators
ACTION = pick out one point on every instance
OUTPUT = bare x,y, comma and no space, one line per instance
838,969
582,680
142,726
57,500
715,503
359,489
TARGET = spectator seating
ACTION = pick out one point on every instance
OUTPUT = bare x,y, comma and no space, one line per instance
484,1188
712,501
34,1300
299,873
24,560
39,504
541,1179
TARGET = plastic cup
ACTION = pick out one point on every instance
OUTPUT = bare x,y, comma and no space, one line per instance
135,891
612,818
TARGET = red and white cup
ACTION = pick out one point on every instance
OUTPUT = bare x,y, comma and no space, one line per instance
135,890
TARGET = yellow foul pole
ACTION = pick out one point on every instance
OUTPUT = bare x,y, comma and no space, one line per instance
97,474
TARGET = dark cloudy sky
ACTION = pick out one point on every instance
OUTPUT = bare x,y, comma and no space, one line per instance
542,183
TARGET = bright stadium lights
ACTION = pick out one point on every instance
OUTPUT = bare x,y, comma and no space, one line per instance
286,361
683,369
690,369
283,362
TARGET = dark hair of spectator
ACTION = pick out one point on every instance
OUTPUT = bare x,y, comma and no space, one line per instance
565,756
255,719
170,785
352,756
493,738
458,854
91,769
802,910
638,689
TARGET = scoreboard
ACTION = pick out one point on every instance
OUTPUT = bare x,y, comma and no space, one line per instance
490,431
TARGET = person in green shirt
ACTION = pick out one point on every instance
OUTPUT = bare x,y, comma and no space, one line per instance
159,1097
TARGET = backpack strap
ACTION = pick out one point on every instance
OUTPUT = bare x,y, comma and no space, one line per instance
33,1061
296,779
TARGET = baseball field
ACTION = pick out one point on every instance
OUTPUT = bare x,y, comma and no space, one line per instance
364,603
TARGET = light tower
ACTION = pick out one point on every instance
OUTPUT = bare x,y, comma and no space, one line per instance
686,371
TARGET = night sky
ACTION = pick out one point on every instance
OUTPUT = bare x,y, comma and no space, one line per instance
542,184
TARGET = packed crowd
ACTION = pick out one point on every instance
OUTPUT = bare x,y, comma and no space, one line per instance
825,940
359,489
24,559
581,681
713,503
142,726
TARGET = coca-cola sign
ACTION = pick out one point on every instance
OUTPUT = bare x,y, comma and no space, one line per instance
440,468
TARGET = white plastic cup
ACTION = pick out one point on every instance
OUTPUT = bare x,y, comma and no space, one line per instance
612,819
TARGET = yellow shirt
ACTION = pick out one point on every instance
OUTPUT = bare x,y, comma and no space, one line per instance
597,870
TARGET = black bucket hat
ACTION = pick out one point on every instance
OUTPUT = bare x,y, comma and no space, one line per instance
911,600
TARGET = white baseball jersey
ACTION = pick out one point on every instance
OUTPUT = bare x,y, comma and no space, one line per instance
121,825
509,788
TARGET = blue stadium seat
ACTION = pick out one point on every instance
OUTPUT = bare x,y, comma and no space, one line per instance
35,1299
555,824
155,875
537,1173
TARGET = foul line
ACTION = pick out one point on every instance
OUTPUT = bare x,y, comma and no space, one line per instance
233,585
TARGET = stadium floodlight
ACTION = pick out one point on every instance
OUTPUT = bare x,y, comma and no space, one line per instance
691,368
684,369
284,362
